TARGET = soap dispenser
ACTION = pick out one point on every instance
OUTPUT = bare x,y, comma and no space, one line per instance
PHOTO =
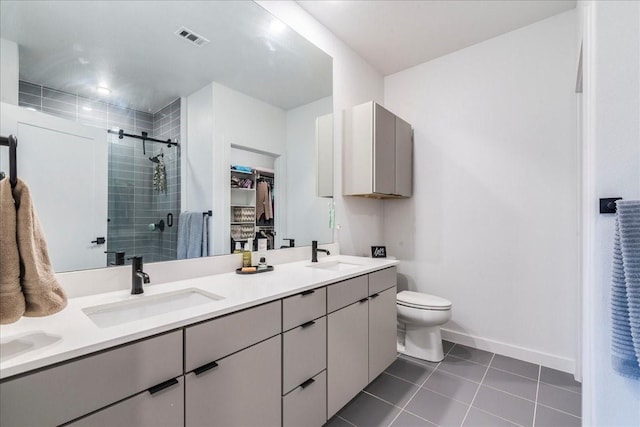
246,254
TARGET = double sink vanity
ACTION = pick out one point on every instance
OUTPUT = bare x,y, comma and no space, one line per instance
286,348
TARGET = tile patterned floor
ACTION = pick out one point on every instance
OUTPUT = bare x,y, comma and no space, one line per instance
469,388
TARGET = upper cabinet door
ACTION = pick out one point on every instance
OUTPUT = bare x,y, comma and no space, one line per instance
404,158
384,151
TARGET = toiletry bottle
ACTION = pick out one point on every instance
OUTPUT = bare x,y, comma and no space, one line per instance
246,255
238,249
262,250
262,264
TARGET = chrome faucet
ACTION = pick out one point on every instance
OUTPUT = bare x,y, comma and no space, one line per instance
137,275
315,250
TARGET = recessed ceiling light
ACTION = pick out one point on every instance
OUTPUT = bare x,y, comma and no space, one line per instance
31,109
277,26
87,108
103,90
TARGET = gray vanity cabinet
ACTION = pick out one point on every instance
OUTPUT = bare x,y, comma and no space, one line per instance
382,320
304,359
242,390
347,341
234,369
68,391
156,408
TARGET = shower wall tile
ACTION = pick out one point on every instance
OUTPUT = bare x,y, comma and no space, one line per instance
29,88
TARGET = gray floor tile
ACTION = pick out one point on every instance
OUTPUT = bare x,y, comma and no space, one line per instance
558,398
337,422
409,370
512,408
452,386
446,346
560,379
511,383
515,366
547,417
478,418
405,419
436,408
366,410
463,368
470,353
392,389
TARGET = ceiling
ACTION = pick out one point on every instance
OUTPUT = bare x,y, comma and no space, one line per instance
395,35
131,47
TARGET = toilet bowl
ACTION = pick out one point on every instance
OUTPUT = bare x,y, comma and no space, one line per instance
420,317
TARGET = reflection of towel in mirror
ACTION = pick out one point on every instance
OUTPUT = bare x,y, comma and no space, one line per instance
263,201
625,290
42,293
193,235
11,296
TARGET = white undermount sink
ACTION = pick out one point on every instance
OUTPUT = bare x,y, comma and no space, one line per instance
334,265
143,306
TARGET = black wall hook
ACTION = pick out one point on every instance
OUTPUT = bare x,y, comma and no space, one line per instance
608,205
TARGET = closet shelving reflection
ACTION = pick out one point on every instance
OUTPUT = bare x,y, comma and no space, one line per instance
243,206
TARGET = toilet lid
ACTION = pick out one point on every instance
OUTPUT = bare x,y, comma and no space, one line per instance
420,300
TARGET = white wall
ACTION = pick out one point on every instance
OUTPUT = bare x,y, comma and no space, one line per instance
304,207
217,118
9,70
493,223
354,82
611,36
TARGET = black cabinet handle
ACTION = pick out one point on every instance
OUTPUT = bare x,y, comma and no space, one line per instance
309,292
307,383
374,295
307,324
364,299
204,368
99,241
156,388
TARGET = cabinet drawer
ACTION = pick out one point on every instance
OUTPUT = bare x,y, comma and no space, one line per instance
381,280
304,353
305,306
306,406
163,408
243,390
220,337
60,394
344,293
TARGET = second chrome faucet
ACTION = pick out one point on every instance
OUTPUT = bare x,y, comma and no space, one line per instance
137,275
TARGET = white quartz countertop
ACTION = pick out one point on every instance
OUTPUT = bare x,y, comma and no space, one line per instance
33,343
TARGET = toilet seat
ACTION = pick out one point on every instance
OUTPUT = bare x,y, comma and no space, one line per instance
422,301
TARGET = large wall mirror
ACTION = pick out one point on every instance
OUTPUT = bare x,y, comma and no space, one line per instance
237,92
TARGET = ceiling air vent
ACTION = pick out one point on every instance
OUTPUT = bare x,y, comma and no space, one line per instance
189,35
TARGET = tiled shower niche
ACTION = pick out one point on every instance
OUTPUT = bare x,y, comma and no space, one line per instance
133,203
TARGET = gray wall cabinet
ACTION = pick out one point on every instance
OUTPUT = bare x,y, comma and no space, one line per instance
377,153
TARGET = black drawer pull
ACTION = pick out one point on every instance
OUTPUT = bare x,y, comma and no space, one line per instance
156,388
309,292
374,295
307,324
364,299
307,383
204,368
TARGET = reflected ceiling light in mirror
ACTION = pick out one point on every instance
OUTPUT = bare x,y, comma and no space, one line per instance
87,108
277,26
103,90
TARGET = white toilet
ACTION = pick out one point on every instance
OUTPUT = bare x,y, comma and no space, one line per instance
420,317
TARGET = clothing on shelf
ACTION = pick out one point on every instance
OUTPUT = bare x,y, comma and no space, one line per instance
264,202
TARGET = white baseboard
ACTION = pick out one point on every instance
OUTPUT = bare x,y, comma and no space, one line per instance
539,358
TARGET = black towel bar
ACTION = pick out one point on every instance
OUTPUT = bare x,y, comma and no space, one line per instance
11,142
